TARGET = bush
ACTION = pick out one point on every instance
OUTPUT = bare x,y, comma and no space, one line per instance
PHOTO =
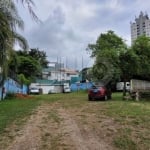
10,95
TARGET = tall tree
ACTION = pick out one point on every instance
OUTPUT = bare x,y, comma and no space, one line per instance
128,65
141,48
9,20
40,56
28,66
106,52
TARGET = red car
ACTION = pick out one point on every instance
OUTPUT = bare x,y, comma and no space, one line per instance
99,92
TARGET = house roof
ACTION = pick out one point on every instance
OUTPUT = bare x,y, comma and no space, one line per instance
69,71
44,81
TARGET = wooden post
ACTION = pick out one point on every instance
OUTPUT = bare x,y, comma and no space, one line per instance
137,96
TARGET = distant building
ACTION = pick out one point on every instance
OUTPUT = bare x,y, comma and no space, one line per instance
141,26
56,71
55,77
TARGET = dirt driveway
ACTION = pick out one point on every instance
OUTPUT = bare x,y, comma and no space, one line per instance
57,127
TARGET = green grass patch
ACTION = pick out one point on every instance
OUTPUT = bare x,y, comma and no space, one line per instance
124,140
119,107
132,118
125,143
14,111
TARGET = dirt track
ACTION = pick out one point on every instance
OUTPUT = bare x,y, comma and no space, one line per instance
53,127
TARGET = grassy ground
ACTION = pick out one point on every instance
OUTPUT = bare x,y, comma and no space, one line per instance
131,119
15,110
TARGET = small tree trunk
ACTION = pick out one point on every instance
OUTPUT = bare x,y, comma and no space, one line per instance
124,88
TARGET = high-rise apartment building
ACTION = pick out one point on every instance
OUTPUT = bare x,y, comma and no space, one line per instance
141,26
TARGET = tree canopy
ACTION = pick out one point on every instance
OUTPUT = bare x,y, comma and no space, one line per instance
141,48
115,61
40,56
29,63
106,52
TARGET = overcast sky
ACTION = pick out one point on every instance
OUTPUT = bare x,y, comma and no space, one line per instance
69,25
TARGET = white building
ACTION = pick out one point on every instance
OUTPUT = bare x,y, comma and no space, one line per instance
141,26
54,78
58,72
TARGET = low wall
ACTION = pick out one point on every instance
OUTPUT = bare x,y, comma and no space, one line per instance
11,86
81,86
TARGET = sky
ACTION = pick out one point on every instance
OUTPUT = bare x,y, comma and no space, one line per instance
68,26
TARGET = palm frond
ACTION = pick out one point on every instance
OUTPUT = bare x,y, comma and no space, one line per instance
30,5
21,41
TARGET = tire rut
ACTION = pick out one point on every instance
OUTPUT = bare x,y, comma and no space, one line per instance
30,134
53,127
83,138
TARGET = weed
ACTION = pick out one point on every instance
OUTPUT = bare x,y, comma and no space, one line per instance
124,143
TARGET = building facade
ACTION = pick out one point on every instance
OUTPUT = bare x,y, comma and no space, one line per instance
59,73
141,26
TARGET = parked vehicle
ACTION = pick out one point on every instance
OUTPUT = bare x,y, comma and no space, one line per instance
99,92
120,86
139,85
139,88
34,90
67,90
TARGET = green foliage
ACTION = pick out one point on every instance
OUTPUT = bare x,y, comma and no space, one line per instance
106,52
84,74
10,95
141,48
13,61
36,54
124,142
115,61
128,62
40,56
128,65
108,45
9,22
23,80
125,123
15,110
31,63
28,66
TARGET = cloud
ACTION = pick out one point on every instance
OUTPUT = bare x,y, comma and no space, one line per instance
68,26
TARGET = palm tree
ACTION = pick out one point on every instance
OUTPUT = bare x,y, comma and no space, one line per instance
9,21
30,3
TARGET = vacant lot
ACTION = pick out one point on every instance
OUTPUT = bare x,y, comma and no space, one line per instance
71,122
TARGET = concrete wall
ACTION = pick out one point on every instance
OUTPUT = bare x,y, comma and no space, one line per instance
81,86
12,86
46,88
